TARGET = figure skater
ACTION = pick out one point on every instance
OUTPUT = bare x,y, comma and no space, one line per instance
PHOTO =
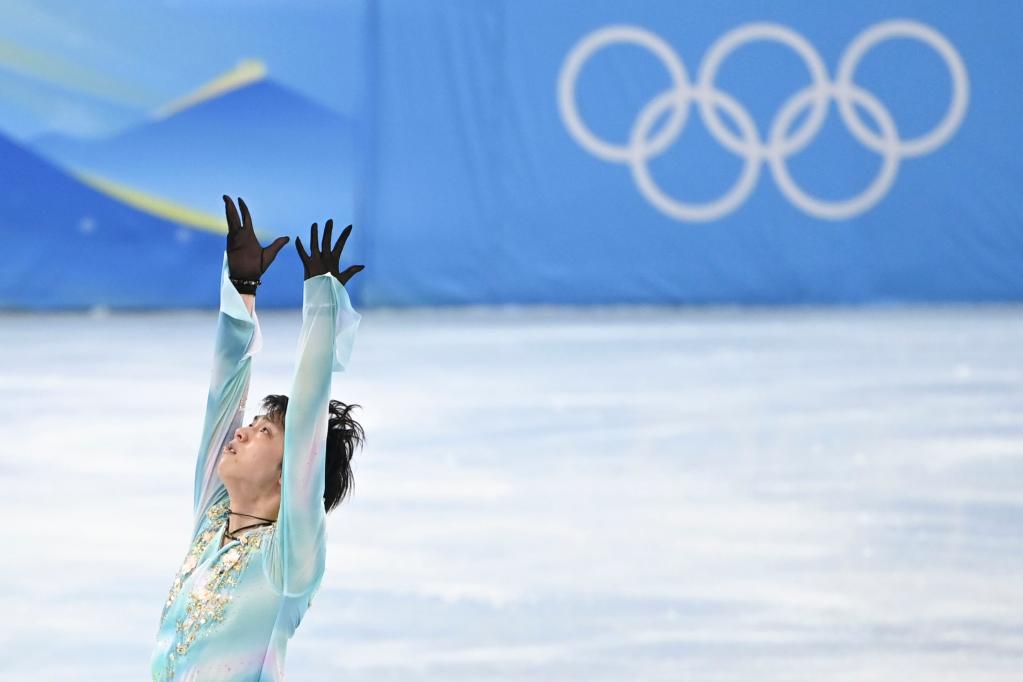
262,490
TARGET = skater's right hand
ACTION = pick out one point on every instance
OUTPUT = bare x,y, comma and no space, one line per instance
246,259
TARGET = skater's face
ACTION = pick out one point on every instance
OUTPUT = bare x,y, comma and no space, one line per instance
253,457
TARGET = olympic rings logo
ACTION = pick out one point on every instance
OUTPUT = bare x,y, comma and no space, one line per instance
781,143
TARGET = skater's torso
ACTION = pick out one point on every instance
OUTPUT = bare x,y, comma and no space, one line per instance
223,618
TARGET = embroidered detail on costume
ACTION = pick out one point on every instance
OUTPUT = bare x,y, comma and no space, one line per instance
208,600
216,515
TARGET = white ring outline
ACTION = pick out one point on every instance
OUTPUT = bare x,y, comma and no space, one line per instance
742,36
902,28
591,44
731,200
845,208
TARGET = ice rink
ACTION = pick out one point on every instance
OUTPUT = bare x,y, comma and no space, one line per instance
546,494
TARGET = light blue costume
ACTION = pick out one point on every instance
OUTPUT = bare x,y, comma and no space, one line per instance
232,610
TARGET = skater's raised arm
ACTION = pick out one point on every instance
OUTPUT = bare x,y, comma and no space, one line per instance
238,339
325,344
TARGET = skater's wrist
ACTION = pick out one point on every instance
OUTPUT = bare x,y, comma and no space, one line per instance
250,302
245,286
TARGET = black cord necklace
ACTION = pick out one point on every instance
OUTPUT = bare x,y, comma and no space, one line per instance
231,534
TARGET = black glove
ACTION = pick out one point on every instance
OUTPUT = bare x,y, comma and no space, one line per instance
246,259
323,258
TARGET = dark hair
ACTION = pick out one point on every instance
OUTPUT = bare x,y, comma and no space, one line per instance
343,435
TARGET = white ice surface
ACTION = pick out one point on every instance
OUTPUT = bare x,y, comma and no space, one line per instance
550,494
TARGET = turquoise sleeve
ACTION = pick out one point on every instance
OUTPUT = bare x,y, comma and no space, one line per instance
296,559
238,339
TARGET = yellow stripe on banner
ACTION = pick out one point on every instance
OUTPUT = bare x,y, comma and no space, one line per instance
160,207
154,205
247,71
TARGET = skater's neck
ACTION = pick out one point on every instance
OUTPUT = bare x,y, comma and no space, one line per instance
263,506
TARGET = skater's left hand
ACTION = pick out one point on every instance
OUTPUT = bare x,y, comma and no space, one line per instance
246,258
324,259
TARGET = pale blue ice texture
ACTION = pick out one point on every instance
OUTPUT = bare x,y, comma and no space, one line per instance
550,494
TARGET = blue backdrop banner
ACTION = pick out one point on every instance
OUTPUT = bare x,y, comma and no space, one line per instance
525,152
671,152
